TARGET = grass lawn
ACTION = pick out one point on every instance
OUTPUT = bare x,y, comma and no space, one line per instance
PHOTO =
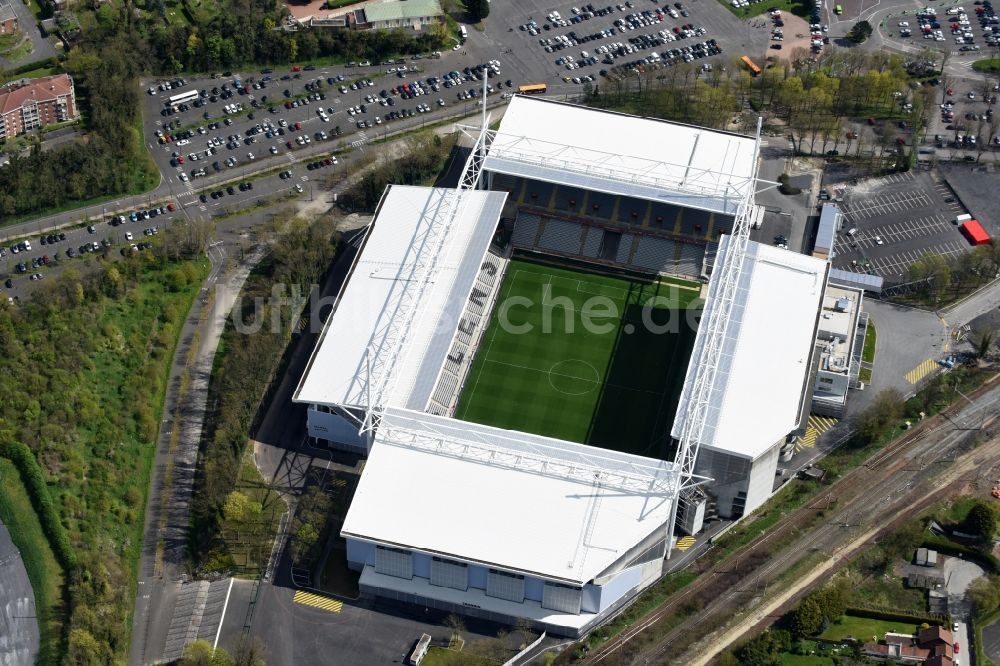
864,628
798,7
865,375
19,52
871,336
44,572
437,656
959,509
32,74
10,40
987,65
577,356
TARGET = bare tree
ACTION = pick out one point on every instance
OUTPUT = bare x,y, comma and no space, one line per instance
457,626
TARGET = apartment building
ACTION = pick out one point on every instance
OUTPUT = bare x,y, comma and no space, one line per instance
30,104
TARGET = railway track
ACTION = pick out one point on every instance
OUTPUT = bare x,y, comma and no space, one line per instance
900,471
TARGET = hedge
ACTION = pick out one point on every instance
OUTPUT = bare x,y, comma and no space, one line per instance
894,616
38,491
949,547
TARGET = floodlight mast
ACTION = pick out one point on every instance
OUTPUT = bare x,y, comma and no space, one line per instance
384,356
727,278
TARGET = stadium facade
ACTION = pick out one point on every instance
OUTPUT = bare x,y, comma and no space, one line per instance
503,524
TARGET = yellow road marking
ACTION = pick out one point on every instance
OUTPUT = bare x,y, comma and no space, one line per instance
921,371
318,601
815,426
685,542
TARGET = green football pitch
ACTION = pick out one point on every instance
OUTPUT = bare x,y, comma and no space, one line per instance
587,358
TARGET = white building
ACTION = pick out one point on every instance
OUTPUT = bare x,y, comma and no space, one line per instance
455,515
761,390
840,339
503,524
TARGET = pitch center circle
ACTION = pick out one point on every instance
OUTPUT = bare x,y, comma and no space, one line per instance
573,376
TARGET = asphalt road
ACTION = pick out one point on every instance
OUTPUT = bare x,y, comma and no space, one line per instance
41,46
167,518
18,627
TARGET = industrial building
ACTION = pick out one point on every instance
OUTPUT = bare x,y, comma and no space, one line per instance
503,524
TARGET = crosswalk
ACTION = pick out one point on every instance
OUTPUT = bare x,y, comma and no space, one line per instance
921,371
318,601
684,543
815,426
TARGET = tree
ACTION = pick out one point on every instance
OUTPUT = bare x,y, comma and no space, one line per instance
249,652
806,619
477,9
932,268
237,506
761,650
201,653
456,624
984,593
861,31
885,410
832,599
981,521
983,342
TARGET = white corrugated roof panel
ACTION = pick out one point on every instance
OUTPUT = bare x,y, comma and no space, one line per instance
764,362
502,510
337,370
621,154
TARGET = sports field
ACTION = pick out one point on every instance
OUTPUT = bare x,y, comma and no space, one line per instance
583,357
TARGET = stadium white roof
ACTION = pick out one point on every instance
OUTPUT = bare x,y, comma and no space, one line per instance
764,362
337,370
621,154
506,499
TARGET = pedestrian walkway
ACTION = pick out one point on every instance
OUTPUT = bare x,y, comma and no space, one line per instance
815,426
921,371
318,601
684,543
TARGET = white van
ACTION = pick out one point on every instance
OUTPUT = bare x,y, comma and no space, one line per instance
463,31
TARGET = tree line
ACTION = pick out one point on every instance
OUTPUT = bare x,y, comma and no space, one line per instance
246,368
815,101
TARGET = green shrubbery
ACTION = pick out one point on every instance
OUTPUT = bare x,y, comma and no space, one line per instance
41,500
246,368
86,363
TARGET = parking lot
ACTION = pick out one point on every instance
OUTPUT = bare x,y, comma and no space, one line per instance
571,47
890,222
243,122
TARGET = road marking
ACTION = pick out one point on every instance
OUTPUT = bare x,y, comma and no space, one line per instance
684,543
921,371
318,601
815,426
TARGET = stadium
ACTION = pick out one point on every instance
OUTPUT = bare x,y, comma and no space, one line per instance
550,365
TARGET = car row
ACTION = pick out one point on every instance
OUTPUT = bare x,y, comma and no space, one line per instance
319,164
